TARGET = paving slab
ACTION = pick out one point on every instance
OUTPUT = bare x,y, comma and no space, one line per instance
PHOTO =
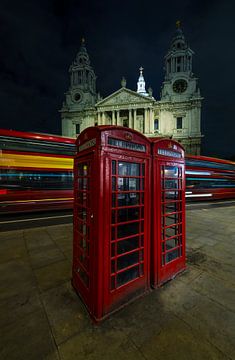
53,275
28,338
71,319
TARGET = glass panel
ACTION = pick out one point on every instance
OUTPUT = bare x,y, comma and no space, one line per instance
128,214
113,167
83,169
171,231
174,254
171,171
126,169
171,184
82,213
127,230
127,260
113,266
82,183
170,244
127,245
113,217
84,277
113,252
171,219
141,269
112,282
172,207
173,195
128,184
113,233
142,240
113,183
127,275
113,200
128,199
82,198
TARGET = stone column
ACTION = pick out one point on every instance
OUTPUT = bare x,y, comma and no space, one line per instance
99,118
145,121
151,121
103,118
134,120
118,117
130,119
113,118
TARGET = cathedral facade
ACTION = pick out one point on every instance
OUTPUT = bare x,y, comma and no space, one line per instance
177,114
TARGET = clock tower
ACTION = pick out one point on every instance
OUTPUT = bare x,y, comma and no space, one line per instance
79,106
179,110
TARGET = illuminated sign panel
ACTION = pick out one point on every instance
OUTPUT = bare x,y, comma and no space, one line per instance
87,144
126,145
170,153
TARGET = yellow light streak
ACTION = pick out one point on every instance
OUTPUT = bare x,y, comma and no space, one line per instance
35,161
36,200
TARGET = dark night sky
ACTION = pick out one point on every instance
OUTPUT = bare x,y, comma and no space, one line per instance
39,40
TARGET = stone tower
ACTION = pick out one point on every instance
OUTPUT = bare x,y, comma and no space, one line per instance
178,113
78,109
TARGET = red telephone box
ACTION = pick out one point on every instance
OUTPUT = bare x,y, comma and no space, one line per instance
168,210
111,218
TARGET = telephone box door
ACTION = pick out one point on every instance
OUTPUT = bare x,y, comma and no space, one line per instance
128,264
83,246
171,222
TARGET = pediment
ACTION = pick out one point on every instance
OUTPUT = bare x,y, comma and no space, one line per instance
124,97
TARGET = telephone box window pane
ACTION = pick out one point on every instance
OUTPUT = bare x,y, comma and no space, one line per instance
128,184
171,184
82,183
83,169
171,231
130,169
113,233
113,200
128,275
113,167
113,252
127,260
127,245
83,276
171,171
173,195
171,244
127,230
143,169
171,219
82,198
128,214
113,266
113,183
112,282
82,213
142,240
128,199
172,207
141,269
113,217
174,254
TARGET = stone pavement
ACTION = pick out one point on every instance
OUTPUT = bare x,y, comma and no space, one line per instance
191,317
